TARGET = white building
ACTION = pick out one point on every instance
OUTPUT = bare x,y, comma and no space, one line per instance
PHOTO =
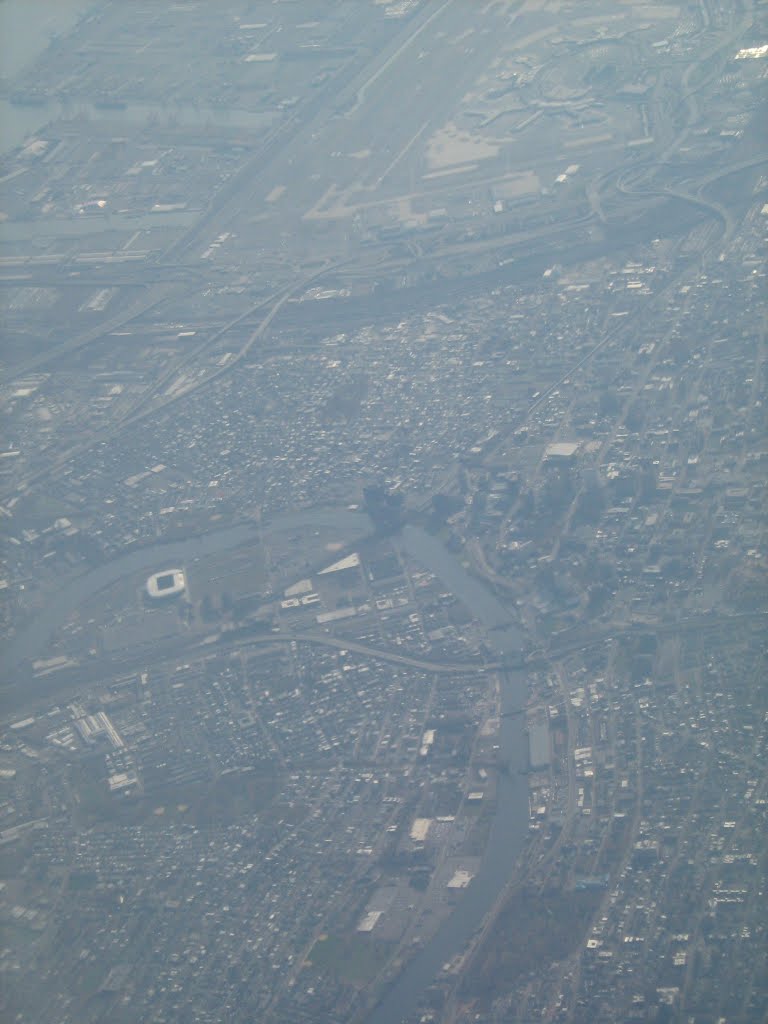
167,583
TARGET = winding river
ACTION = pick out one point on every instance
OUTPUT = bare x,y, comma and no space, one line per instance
510,823
32,641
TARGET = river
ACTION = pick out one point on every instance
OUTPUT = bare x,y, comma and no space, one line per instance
507,835
32,641
510,823
505,637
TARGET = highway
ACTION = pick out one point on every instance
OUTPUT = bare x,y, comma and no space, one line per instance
39,691
382,654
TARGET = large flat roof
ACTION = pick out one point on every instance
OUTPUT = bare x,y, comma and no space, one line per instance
562,450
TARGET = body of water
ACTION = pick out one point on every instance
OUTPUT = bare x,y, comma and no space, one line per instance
505,841
26,31
510,823
20,121
28,27
477,596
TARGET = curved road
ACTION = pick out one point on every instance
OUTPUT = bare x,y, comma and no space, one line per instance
383,654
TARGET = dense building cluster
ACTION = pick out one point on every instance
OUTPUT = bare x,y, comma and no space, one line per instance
383,514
